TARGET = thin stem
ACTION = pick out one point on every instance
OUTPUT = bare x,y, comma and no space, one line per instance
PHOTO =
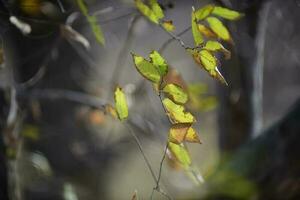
161,165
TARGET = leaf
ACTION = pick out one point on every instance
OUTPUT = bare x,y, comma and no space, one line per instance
192,136
218,27
180,153
198,38
146,68
121,104
30,132
202,13
209,63
176,112
217,46
159,62
111,110
178,132
146,11
168,25
176,93
206,31
92,20
30,7
227,13
156,9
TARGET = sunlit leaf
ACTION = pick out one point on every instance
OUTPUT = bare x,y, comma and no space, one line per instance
121,104
146,11
217,46
206,31
92,20
177,113
226,13
156,9
159,62
146,68
168,25
178,132
192,136
198,38
218,27
181,154
209,63
176,93
203,12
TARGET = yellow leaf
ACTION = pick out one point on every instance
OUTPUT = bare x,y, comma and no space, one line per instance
218,27
217,46
180,153
159,62
192,136
202,13
156,9
121,104
198,38
206,31
226,13
146,68
168,25
176,112
176,93
30,7
178,132
92,20
146,11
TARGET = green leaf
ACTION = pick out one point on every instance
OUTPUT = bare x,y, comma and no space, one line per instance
168,25
176,112
176,93
202,13
218,27
156,9
198,38
146,68
92,20
146,11
217,46
121,104
181,154
159,62
192,136
227,13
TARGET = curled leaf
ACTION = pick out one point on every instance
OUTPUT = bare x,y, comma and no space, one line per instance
198,38
203,12
227,13
146,11
176,93
177,112
218,27
217,46
168,25
121,104
159,62
146,68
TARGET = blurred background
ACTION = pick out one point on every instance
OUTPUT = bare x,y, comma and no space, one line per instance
57,143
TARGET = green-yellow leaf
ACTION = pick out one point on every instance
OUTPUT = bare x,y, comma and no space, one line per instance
168,25
198,38
192,136
180,153
218,27
159,62
202,13
92,22
177,113
146,69
217,46
146,11
156,9
176,93
206,31
226,13
178,132
121,104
